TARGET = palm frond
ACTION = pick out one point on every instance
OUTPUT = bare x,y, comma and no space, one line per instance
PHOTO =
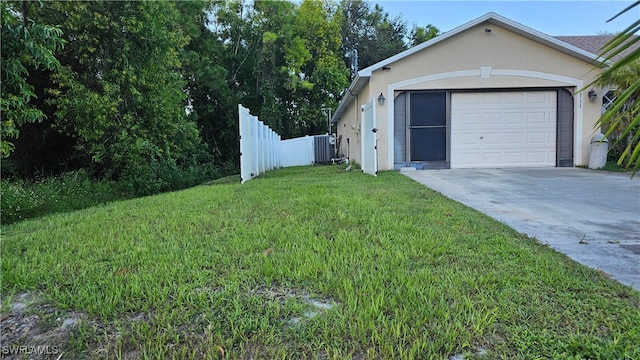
627,105
625,10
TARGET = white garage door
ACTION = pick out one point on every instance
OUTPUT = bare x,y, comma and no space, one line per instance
503,129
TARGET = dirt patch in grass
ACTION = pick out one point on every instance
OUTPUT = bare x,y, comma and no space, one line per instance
35,330
32,329
315,305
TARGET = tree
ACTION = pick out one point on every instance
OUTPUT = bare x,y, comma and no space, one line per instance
623,115
25,45
421,34
212,64
323,75
280,55
370,31
283,60
139,81
120,91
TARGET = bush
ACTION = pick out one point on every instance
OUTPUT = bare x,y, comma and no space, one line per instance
18,201
160,176
21,199
72,191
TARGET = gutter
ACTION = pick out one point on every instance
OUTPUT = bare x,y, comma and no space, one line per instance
354,89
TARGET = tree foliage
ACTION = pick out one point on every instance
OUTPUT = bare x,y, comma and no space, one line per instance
119,91
25,45
375,35
213,67
371,31
421,34
144,89
622,119
280,59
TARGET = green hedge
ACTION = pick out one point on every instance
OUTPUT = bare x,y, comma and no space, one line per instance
76,190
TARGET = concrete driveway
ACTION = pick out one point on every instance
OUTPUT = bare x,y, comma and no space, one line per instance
592,216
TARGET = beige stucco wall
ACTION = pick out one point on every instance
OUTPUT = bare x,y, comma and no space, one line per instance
476,59
349,126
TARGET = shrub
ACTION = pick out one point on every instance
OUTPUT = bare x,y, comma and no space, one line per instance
161,175
71,191
75,190
18,201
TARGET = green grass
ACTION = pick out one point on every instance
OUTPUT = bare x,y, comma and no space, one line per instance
612,165
232,271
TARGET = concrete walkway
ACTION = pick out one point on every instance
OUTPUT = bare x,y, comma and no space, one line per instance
592,216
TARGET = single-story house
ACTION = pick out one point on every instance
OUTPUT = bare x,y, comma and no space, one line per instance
490,93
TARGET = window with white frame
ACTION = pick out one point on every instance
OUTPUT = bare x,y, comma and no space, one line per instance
607,100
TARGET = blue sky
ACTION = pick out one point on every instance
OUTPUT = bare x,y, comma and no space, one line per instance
550,17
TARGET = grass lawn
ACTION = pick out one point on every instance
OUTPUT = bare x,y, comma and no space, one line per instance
313,263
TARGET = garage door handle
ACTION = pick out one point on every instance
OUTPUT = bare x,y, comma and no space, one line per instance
481,137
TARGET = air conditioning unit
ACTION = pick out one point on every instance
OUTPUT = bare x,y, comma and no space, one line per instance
322,149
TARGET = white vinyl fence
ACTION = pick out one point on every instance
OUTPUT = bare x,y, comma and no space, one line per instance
259,146
297,151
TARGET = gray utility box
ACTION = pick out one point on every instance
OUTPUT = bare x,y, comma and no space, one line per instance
598,152
322,149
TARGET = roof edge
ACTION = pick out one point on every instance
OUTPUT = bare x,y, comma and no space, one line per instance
548,40
356,86
502,21
362,77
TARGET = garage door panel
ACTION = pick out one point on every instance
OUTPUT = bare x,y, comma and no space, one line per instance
514,98
489,98
514,157
514,118
492,157
536,157
470,120
541,98
469,139
514,138
470,99
492,138
469,157
534,138
492,118
537,118
502,129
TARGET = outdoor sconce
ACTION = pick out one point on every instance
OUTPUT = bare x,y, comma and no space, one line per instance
381,99
592,95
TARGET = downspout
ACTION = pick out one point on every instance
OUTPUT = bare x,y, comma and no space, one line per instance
356,122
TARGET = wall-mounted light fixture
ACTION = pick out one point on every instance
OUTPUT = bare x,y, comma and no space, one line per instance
381,99
386,67
488,30
592,95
